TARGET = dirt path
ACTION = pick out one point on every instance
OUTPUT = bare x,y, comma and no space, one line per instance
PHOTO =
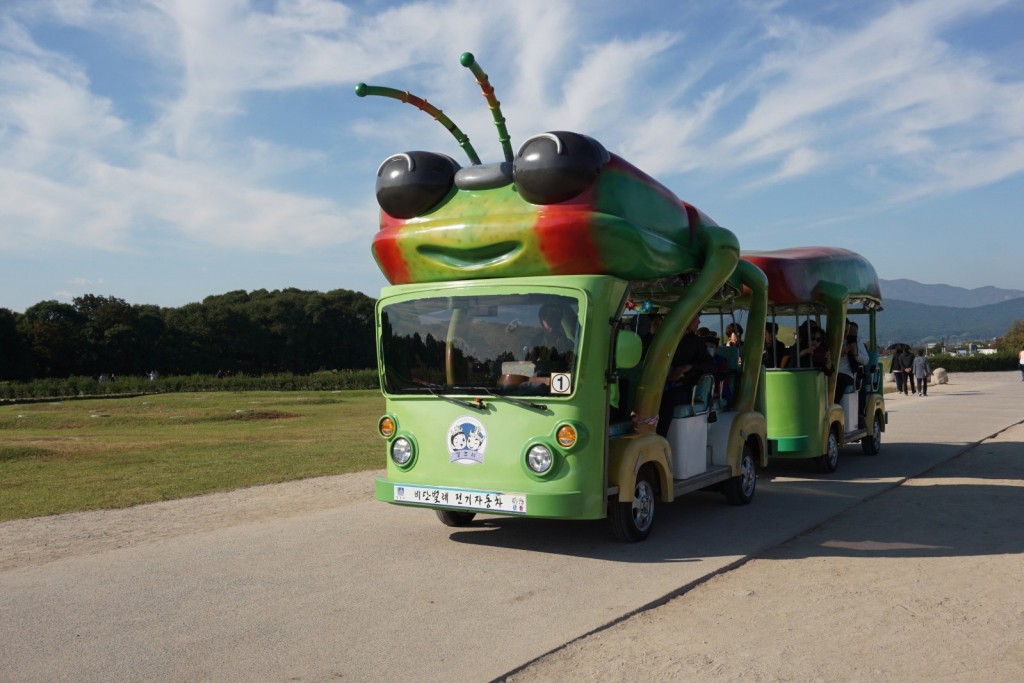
935,592
46,539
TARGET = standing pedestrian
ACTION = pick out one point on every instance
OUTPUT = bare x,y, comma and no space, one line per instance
907,363
922,371
1021,356
896,368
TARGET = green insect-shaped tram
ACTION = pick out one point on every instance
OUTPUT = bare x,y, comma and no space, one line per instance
515,380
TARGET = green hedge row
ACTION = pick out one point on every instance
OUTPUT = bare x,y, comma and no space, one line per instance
79,387
972,364
326,380
976,363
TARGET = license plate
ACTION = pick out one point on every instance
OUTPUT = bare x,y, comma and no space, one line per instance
484,501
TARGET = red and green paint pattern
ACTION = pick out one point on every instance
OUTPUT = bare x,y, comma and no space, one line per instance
796,275
625,224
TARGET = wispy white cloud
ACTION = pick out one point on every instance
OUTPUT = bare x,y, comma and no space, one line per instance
73,172
48,114
891,90
669,140
593,92
85,175
765,97
215,209
36,211
799,161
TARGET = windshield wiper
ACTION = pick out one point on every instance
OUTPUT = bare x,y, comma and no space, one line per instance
518,401
440,390
437,390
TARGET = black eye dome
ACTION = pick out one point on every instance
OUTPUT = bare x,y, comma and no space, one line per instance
412,183
556,166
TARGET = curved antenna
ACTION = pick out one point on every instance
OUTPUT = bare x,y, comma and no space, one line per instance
363,90
469,61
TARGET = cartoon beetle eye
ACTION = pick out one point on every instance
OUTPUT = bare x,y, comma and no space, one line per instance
553,167
413,183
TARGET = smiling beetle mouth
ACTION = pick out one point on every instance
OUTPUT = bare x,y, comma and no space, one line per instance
474,257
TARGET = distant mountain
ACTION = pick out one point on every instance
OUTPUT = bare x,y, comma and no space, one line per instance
946,295
918,324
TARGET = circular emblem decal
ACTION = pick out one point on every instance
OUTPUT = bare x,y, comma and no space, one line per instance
467,441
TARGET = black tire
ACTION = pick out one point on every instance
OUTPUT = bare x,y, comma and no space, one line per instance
871,445
453,518
739,490
632,522
829,460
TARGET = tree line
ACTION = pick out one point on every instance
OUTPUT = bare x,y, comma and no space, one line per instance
253,333
257,332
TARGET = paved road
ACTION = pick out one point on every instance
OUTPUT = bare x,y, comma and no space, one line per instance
373,592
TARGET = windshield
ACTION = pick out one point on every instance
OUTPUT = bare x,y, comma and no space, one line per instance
500,343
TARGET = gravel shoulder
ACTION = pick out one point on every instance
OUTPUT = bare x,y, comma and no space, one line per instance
40,540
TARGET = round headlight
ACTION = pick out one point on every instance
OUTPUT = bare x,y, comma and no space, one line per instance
401,451
538,459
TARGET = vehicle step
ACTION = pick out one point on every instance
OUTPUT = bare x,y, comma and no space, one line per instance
713,475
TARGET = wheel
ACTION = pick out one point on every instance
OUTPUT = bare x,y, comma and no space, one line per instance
739,490
632,522
829,461
871,445
453,518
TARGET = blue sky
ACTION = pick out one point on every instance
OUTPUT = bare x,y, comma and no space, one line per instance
162,151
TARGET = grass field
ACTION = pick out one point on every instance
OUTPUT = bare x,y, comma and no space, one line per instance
109,453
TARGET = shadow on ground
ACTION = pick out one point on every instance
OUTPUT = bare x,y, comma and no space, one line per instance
978,492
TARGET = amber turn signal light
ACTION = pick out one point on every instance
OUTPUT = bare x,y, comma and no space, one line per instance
566,436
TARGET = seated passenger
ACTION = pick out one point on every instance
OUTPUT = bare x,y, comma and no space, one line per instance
721,370
734,335
653,325
550,348
774,349
803,335
690,362
851,365
810,351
